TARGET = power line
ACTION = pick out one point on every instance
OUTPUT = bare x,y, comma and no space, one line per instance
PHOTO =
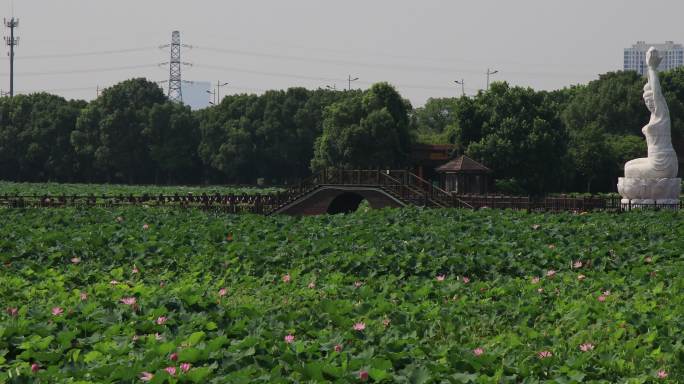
84,54
80,71
316,78
385,66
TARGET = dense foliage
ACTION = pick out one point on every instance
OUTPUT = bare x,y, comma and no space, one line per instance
393,296
570,140
367,131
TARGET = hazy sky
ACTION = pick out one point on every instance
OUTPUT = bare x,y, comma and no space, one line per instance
69,47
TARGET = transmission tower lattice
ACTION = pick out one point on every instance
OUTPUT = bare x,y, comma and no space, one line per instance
175,80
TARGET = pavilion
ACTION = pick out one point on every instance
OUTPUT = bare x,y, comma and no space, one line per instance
464,175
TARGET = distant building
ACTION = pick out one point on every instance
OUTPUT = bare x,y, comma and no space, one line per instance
195,94
635,57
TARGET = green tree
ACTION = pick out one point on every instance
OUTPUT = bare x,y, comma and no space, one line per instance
591,154
109,130
367,130
173,136
34,138
520,136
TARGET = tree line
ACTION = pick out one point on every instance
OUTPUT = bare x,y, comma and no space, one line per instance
573,139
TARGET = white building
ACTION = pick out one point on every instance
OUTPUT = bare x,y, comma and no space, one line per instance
635,57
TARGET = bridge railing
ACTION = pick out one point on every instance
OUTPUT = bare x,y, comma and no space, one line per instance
401,183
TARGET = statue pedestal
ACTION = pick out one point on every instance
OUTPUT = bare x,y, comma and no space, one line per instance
647,193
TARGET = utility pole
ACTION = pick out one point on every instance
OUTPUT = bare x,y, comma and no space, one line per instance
488,74
350,81
11,41
462,83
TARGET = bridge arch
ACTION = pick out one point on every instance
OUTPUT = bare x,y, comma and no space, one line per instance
339,199
345,202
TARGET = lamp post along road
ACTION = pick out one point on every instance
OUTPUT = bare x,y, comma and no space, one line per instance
350,81
490,72
218,90
216,93
462,83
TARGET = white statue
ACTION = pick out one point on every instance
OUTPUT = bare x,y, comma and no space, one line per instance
653,179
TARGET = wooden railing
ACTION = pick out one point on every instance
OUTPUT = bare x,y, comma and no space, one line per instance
402,185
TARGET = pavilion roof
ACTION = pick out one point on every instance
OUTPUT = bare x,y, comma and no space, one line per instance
463,164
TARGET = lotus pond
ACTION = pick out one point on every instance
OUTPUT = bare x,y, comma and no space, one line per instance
56,189
395,296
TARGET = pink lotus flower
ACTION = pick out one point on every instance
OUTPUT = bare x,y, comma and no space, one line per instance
535,280
550,273
338,348
662,374
289,338
360,326
171,370
581,277
358,284
440,277
128,300
602,298
286,278
363,375
173,357
75,260
466,280
312,285
161,320
223,292
12,311
577,264
586,347
146,376
35,367
145,226
56,311
386,322
135,270
478,351
84,296
544,354
185,367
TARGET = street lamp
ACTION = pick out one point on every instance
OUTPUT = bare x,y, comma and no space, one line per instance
350,81
462,83
218,90
489,72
